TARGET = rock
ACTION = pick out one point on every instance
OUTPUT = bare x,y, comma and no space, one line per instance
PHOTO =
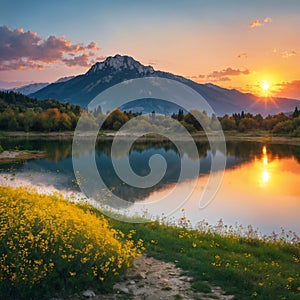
124,290
121,288
88,294
152,279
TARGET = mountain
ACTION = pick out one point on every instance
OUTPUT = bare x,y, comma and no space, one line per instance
29,88
34,87
102,75
64,79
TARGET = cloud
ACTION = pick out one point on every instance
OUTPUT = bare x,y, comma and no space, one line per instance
289,89
223,75
200,76
81,60
26,50
19,64
224,78
267,20
228,72
258,23
287,54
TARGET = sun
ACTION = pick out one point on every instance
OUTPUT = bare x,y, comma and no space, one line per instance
265,86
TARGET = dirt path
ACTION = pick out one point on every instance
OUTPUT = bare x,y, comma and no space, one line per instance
152,279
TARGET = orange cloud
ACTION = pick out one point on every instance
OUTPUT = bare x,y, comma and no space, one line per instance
287,54
20,50
267,20
289,89
228,72
223,75
257,23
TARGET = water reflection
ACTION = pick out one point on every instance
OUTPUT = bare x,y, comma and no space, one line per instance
260,186
265,173
263,192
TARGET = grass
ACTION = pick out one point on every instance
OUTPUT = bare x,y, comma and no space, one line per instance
256,135
247,267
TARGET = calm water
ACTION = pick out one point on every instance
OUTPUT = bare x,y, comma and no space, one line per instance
260,186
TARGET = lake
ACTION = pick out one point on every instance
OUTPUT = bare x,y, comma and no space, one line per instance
260,185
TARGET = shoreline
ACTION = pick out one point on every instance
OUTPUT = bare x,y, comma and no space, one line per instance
9,180
263,137
73,196
8,156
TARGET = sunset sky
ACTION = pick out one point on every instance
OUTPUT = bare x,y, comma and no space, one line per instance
232,43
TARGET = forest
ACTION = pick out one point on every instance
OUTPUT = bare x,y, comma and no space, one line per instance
21,113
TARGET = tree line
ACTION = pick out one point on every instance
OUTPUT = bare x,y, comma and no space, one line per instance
244,122
20,112
278,124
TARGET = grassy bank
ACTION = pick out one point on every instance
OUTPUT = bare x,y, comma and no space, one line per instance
246,267
232,135
51,246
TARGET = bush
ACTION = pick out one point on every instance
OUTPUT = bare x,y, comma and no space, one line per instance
1,149
283,127
296,132
247,124
50,246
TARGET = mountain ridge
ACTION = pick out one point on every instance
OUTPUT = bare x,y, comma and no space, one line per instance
31,88
115,69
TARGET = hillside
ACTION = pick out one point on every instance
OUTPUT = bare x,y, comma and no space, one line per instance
19,102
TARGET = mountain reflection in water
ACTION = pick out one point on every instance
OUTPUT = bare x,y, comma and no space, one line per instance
260,184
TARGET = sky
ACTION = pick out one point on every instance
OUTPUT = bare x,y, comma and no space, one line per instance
253,46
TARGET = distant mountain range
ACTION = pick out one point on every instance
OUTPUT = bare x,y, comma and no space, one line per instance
83,88
29,88
34,87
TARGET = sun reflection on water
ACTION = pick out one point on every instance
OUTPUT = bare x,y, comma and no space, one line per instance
265,175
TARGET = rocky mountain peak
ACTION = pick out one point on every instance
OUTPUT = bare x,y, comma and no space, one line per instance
120,63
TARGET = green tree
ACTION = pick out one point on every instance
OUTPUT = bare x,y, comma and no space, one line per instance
65,122
228,123
193,116
116,115
283,127
214,122
296,113
13,124
247,124
180,115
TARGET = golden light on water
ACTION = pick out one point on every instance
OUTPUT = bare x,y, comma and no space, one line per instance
264,150
264,191
265,175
